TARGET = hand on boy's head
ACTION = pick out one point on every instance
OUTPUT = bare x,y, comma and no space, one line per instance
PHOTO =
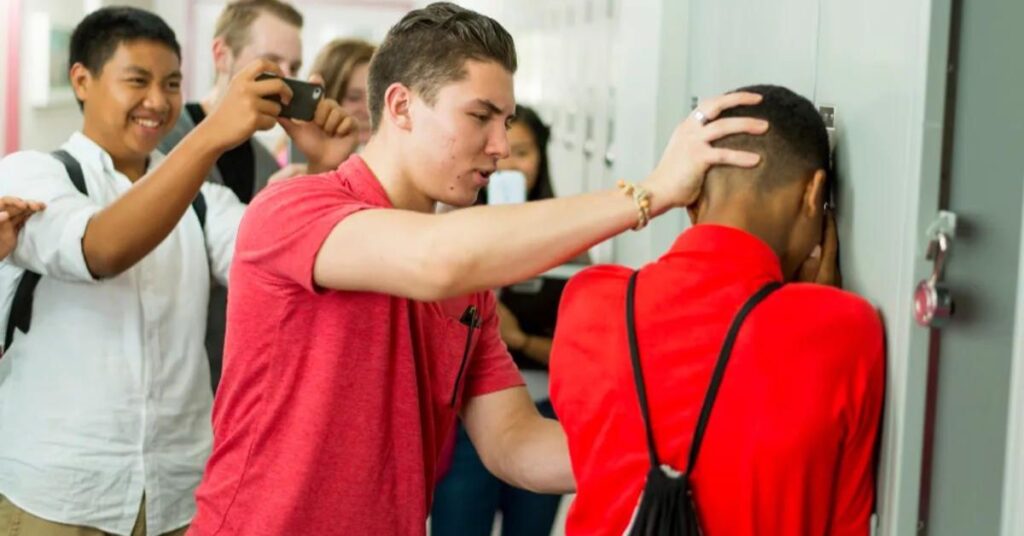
679,176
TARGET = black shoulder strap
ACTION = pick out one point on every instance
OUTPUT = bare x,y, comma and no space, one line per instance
638,374
73,168
723,360
716,377
21,307
199,206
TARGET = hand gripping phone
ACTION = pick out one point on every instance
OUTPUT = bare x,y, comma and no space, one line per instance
305,98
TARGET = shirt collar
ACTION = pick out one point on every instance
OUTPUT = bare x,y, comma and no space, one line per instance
722,245
88,151
361,180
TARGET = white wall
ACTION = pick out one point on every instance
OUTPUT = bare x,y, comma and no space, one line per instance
46,128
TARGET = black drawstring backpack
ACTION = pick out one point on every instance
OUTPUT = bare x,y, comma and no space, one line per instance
667,506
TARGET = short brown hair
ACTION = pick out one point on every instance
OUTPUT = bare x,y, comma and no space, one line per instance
234,22
429,47
336,62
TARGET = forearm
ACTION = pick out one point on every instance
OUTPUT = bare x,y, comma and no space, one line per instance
428,258
490,247
123,233
518,445
535,457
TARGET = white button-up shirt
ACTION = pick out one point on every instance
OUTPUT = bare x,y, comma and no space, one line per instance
108,395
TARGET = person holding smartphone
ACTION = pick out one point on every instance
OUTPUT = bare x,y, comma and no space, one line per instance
246,31
105,394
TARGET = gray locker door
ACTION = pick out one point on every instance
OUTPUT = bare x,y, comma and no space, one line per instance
1013,494
971,357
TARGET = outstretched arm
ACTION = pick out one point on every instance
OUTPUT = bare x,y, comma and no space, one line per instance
430,257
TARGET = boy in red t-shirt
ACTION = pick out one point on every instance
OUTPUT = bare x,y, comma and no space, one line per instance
360,324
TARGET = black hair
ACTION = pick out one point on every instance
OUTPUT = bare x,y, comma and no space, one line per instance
796,139
97,37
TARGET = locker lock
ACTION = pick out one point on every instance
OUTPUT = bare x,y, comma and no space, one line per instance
933,301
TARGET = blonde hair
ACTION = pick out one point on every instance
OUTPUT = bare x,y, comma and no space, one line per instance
234,22
337,61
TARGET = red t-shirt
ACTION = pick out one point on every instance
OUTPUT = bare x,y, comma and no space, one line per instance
333,405
789,446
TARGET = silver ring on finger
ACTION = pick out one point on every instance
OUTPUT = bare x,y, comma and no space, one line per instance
701,117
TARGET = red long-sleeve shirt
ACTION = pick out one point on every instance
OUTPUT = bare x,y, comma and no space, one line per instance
790,444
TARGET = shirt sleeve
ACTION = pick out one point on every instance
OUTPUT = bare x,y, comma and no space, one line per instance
223,215
492,368
855,494
50,243
285,226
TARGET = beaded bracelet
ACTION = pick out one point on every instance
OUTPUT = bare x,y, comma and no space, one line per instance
642,199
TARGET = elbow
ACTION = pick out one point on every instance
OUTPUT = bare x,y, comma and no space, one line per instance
503,464
446,274
513,467
506,457
107,262
439,282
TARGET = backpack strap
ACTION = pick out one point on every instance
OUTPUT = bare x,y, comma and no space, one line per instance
199,206
638,374
21,306
723,360
716,377
74,170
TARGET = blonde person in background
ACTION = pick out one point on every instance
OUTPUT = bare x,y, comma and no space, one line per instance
246,31
344,66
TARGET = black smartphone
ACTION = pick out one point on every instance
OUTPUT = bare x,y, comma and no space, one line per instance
305,98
